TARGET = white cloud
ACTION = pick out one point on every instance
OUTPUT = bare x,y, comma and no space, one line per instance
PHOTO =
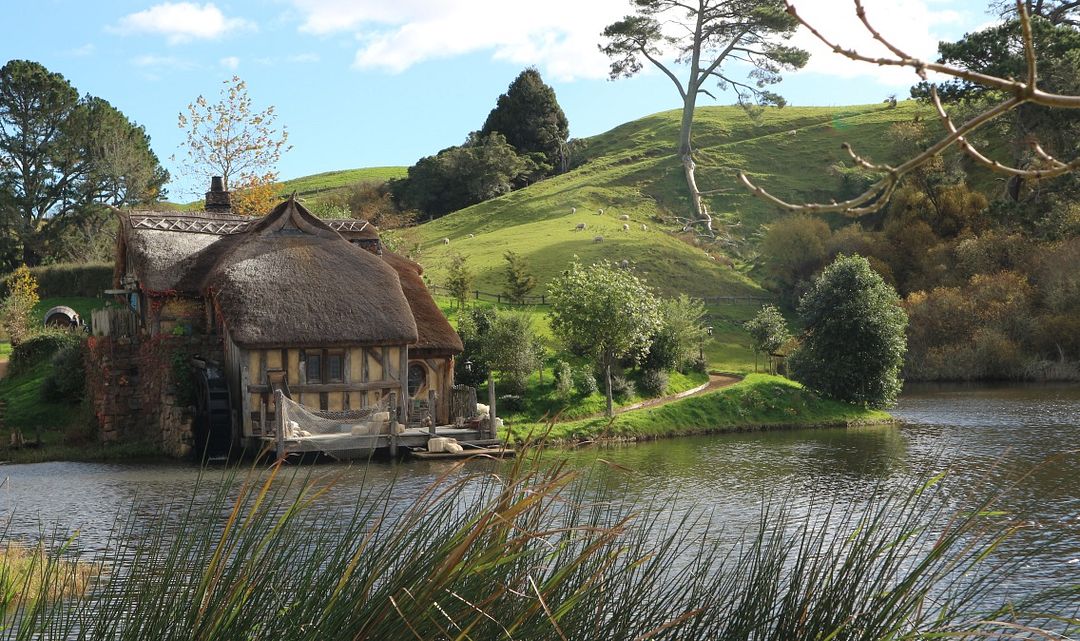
230,62
303,58
562,35
180,22
83,51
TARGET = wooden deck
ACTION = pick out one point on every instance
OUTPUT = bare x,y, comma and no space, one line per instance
411,441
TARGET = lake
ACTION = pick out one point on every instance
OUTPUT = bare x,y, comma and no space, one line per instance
1020,438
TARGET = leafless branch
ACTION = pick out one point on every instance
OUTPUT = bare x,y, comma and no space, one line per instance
1021,91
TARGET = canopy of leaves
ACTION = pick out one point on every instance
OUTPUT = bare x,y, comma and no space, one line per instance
680,335
62,158
603,311
519,278
484,167
768,330
530,117
853,344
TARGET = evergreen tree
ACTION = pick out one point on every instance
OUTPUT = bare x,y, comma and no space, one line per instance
531,119
519,278
459,280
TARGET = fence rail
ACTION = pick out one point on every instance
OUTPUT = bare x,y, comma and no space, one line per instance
529,301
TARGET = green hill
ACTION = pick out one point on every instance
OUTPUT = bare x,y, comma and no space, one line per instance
320,184
632,170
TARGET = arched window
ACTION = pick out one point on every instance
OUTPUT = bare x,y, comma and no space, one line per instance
417,377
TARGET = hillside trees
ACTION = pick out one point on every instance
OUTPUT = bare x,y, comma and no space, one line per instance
853,343
710,38
530,118
228,138
604,313
768,331
62,160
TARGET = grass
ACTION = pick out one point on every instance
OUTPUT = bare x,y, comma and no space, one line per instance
81,304
28,574
758,401
320,184
537,550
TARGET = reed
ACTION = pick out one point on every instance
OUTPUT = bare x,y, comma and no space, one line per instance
536,550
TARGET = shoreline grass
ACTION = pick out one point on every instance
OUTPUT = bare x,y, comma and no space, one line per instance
758,402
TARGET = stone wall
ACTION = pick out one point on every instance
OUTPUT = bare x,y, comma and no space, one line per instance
132,385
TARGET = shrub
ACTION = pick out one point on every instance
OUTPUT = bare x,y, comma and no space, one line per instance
67,380
63,280
41,346
853,345
585,381
653,382
18,307
621,387
564,380
509,403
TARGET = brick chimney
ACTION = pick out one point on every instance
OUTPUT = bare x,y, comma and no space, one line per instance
217,199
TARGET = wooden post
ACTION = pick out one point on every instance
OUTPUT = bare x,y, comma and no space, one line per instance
491,405
280,416
392,423
431,410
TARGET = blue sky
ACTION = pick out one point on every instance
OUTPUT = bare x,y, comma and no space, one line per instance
370,82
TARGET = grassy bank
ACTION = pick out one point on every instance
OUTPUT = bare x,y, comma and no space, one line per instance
758,401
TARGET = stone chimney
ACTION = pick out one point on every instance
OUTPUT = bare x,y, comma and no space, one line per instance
217,199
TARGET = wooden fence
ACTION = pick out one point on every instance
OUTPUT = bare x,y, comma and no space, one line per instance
542,299
115,322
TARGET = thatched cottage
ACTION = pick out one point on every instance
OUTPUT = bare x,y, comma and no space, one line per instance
319,308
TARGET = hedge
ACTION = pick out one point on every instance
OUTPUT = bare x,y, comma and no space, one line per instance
65,280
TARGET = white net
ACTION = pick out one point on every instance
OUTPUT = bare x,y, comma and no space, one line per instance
307,430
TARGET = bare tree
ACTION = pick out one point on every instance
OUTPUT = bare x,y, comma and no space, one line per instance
705,35
1016,92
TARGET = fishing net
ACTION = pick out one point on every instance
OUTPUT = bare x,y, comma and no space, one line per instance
308,430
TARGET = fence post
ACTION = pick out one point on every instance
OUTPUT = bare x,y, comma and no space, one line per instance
280,416
477,292
431,411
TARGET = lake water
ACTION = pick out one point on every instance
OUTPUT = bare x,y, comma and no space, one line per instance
1025,438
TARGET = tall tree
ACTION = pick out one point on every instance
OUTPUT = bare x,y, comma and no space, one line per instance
228,138
706,37
605,313
62,157
530,117
519,277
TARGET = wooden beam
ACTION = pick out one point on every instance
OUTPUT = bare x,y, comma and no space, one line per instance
315,388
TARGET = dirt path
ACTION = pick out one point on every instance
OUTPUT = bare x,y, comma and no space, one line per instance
716,381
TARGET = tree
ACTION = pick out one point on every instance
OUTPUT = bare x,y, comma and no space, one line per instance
795,249
1005,93
484,167
459,280
768,331
470,368
228,138
17,309
63,158
604,313
680,336
853,344
708,37
530,117
519,278
509,347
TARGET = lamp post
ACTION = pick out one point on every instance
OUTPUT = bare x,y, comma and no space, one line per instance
701,344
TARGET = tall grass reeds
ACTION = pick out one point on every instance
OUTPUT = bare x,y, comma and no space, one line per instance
535,550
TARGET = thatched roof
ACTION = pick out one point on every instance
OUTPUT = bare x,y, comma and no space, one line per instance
287,279
291,280
436,336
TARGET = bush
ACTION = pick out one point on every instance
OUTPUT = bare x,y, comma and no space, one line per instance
853,345
653,382
699,364
42,346
621,387
585,381
564,379
67,380
18,307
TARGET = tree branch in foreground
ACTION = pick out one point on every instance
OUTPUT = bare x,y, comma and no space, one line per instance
1021,92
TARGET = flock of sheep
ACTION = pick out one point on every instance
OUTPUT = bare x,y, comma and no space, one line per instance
584,226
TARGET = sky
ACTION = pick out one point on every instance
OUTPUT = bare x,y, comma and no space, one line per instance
362,83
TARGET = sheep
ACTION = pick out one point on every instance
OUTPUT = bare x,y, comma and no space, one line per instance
471,236
793,132
573,210
599,212
446,241
626,227
644,228
624,217
580,227
624,263
598,239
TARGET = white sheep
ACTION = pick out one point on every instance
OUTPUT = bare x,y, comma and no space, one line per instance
573,210
581,227
625,227
599,212
471,236
446,241
624,217
793,132
598,239
644,228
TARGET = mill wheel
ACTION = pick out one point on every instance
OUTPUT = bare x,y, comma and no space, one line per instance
213,419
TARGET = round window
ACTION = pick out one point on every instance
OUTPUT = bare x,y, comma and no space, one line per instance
417,378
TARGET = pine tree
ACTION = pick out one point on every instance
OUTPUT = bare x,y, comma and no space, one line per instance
530,117
519,279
